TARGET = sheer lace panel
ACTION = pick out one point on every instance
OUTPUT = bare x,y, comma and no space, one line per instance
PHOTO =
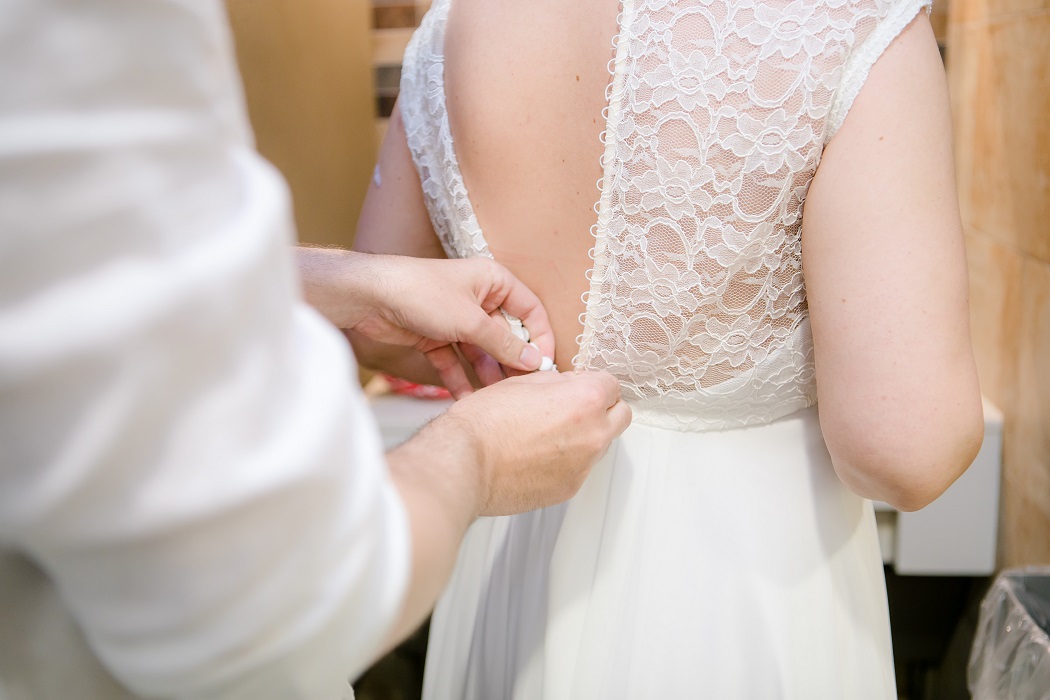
718,113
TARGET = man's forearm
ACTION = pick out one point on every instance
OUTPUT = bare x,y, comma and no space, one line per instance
438,474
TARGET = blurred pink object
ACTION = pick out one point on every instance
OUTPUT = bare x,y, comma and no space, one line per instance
419,391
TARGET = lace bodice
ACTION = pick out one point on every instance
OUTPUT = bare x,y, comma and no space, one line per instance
718,112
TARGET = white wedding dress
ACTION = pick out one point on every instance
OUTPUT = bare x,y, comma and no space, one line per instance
713,553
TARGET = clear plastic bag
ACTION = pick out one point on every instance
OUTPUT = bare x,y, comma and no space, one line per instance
1010,659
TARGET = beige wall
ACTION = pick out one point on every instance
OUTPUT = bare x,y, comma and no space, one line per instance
308,77
999,75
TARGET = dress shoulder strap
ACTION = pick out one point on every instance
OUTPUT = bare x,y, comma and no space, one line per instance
425,115
892,19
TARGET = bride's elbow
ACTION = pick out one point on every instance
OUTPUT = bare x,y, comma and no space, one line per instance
914,486
910,466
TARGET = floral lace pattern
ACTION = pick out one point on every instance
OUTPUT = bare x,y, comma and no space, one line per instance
718,114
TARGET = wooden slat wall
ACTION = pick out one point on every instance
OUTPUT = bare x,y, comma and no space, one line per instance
393,22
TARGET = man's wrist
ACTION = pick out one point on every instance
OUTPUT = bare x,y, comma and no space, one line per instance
340,284
447,458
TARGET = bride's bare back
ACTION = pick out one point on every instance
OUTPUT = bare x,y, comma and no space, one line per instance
525,88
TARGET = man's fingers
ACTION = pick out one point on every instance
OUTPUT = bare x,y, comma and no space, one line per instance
494,337
520,301
608,384
487,369
453,376
620,416
541,378
497,315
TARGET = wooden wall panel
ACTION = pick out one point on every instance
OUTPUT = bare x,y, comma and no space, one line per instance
307,73
998,57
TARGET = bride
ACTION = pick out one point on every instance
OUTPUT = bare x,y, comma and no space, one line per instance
776,222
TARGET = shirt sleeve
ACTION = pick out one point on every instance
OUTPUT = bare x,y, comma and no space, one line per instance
891,17
183,445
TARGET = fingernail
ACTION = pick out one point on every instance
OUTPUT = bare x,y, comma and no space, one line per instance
531,357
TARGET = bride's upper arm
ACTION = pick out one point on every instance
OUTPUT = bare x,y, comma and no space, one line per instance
886,280
394,220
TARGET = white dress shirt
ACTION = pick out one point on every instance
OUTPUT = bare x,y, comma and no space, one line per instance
183,447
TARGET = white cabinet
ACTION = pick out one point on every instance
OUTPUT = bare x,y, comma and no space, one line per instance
956,534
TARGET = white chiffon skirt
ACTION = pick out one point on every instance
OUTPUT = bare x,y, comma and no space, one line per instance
690,565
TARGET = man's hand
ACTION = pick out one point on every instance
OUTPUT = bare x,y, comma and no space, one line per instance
525,443
432,306
538,436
